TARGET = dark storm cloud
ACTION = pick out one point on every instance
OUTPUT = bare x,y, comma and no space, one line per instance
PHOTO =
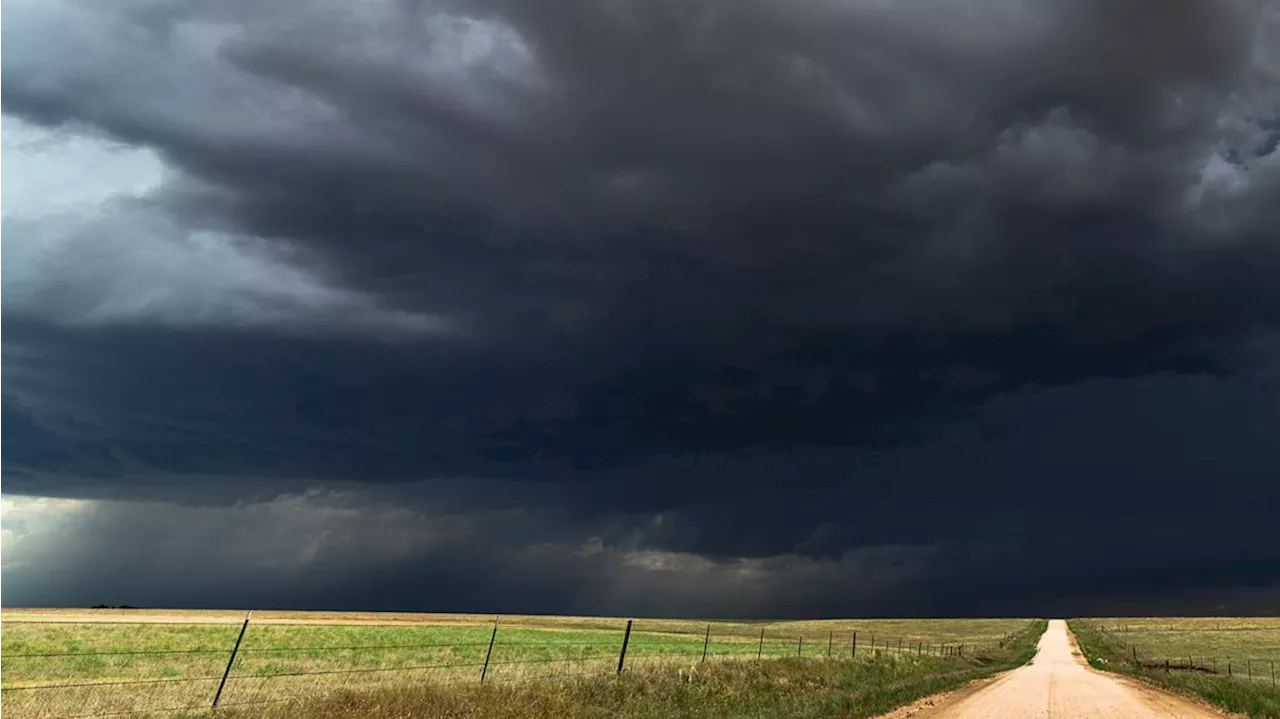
733,264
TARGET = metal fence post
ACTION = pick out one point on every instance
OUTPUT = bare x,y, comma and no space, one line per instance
760,649
227,672
489,653
626,638
706,641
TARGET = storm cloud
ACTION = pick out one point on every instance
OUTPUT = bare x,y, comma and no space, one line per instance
803,308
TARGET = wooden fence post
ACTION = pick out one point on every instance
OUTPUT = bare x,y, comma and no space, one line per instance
760,649
227,672
800,647
854,652
626,639
489,653
706,641
831,636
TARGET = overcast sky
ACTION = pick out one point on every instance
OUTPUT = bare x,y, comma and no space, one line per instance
652,307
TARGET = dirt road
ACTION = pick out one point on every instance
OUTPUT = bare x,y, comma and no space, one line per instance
1058,684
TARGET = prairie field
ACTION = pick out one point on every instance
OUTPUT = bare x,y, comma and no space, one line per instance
1249,645
1230,662
91,662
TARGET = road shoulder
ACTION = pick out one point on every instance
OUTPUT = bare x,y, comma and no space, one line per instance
925,707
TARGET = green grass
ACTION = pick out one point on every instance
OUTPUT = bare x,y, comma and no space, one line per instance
791,687
1187,645
287,655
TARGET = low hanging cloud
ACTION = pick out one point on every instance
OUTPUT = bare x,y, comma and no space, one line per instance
123,266
323,549
854,275
96,254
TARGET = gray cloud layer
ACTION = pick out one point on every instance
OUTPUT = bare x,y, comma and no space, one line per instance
734,264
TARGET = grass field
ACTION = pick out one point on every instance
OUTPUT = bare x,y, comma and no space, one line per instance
1228,661
58,663
1238,639
786,687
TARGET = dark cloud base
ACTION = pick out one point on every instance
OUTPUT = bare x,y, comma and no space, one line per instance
783,283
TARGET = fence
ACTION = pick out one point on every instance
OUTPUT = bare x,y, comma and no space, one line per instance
118,668
1145,656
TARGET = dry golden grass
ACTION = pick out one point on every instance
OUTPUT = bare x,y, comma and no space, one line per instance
1227,661
1199,640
